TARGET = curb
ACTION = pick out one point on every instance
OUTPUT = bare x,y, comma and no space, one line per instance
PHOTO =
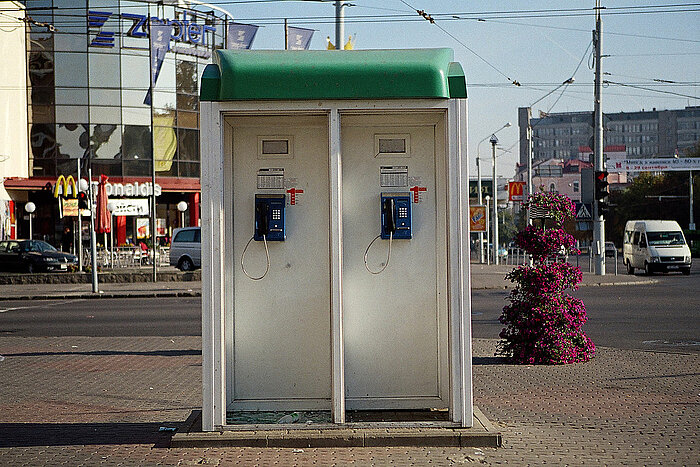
90,295
595,284
351,435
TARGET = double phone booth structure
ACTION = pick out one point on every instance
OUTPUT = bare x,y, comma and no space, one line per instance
335,239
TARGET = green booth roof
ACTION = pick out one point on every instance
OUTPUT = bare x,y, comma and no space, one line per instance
332,74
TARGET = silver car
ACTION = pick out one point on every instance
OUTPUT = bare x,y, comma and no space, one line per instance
186,248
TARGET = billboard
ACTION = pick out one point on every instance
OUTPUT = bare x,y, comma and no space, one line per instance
516,191
477,218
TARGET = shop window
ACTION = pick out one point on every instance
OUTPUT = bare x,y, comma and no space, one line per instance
187,102
136,168
42,138
41,114
106,167
70,167
188,144
41,95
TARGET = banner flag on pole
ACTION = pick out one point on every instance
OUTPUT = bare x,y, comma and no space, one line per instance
299,38
240,36
159,40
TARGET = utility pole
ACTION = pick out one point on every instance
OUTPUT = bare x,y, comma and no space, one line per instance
599,163
691,225
529,164
339,24
286,35
493,142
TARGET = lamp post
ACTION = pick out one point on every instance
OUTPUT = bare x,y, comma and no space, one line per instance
478,183
488,231
494,235
82,186
182,207
30,208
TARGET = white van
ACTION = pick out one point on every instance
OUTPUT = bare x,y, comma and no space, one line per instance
655,246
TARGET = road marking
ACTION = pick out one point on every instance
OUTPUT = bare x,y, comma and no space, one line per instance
4,310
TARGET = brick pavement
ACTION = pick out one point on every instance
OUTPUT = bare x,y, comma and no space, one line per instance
89,401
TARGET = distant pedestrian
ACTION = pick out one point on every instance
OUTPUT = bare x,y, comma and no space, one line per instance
67,240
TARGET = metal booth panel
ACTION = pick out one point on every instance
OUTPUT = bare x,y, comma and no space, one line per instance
395,322
281,323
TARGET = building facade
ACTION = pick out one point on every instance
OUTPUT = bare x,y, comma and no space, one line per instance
89,104
655,133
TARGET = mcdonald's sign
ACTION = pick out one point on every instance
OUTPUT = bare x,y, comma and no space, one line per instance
62,186
515,191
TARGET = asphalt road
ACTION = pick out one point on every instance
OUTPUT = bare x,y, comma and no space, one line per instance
663,316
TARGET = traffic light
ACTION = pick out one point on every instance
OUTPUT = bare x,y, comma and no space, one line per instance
601,191
83,200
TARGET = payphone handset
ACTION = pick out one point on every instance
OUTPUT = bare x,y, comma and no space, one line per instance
395,223
269,225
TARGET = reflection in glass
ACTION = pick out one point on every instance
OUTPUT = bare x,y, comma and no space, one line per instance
134,98
166,77
135,71
187,102
136,116
40,41
41,68
188,145
186,77
106,141
187,119
104,70
71,113
70,41
41,114
188,169
165,144
72,140
100,96
71,96
106,167
164,100
42,167
111,115
136,143
42,138
42,95
136,168
67,167
71,69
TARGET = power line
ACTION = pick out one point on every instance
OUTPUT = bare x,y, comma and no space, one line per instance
651,89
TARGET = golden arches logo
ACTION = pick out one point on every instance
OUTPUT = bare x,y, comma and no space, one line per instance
65,183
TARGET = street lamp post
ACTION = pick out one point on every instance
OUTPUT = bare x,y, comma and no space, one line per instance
478,182
110,208
182,207
494,235
30,208
488,231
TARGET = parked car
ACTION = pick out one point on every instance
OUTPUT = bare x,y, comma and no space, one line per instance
186,248
610,249
654,245
34,256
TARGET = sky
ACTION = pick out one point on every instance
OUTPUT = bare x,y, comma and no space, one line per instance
497,43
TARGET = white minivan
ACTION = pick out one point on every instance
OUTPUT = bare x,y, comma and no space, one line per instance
655,246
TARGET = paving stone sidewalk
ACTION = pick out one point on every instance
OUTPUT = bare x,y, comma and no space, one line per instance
101,401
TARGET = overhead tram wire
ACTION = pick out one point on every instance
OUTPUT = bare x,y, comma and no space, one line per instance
671,93
432,21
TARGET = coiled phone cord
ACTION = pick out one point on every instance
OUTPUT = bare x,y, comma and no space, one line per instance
267,255
388,256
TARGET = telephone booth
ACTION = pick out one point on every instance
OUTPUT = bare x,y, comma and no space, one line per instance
335,243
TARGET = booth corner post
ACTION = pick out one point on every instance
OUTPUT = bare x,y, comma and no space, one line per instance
294,236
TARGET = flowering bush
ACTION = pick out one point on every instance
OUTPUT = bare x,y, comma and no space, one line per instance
542,324
541,243
557,207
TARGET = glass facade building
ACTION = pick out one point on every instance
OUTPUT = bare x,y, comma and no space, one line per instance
90,103
89,81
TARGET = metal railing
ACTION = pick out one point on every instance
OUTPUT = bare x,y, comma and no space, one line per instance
128,257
